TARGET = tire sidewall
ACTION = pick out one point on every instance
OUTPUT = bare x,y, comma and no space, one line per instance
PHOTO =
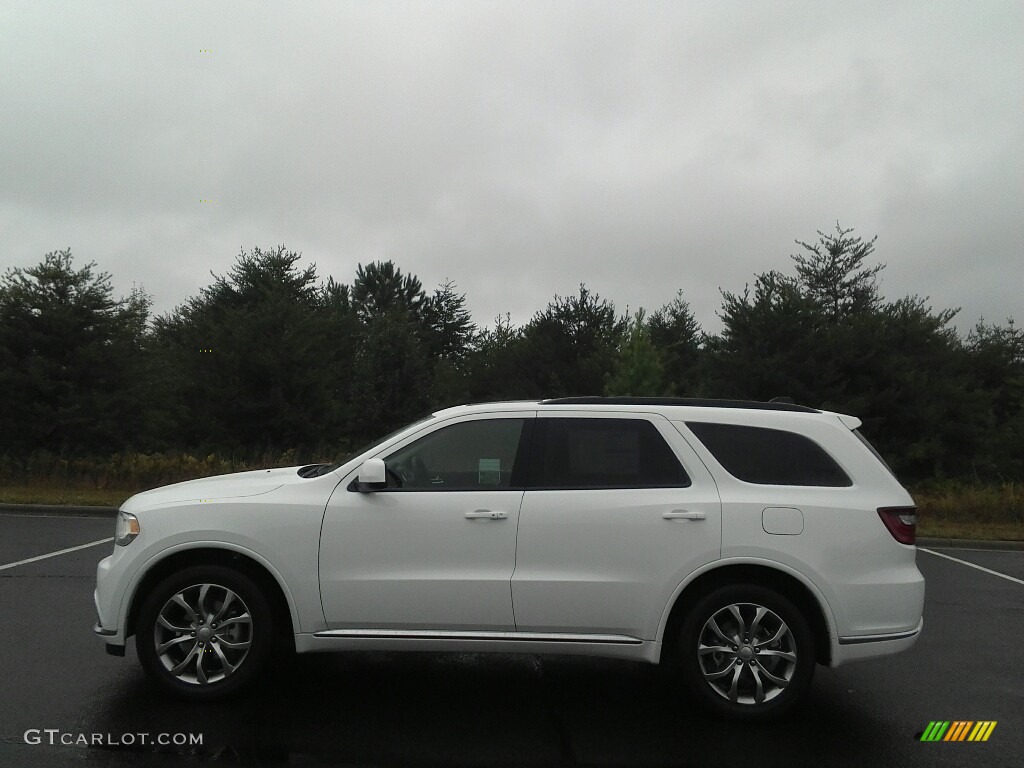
689,666
262,630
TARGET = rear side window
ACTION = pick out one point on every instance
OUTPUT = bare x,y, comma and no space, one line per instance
604,453
769,456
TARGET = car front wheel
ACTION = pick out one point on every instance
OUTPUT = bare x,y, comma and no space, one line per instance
747,652
204,632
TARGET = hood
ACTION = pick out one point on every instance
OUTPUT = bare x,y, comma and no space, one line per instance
237,485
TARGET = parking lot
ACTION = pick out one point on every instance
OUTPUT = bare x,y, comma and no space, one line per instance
57,684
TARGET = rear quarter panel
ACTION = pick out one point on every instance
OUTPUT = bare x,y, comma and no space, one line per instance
869,580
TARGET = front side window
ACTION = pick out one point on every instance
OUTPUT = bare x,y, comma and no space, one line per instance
769,456
470,456
604,453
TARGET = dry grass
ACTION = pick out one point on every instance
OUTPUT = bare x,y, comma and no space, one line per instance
73,497
966,511
44,478
139,471
952,529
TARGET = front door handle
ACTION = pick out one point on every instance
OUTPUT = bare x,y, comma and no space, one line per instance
486,514
682,514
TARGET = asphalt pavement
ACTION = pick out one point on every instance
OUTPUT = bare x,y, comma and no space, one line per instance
389,709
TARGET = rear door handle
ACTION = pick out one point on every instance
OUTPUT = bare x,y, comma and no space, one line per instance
486,514
682,514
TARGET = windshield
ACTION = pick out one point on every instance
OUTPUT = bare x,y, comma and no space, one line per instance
388,436
323,469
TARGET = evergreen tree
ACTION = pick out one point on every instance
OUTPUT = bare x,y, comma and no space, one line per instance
247,357
71,359
570,348
496,363
380,287
638,371
997,364
833,273
676,334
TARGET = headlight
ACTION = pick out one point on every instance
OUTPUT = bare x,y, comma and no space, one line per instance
127,528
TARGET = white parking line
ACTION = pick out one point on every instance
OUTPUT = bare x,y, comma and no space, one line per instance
972,565
54,554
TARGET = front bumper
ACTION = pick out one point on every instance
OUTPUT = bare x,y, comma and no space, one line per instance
106,598
113,650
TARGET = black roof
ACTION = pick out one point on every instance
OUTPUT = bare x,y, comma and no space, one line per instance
691,401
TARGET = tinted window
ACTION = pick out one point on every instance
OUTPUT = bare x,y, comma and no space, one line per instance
472,455
604,453
769,456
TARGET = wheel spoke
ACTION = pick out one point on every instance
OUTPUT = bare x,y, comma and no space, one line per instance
162,648
229,598
741,625
163,622
180,667
180,600
761,613
779,681
779,654
759,693
227,665
713,626
245,618
719,674
703,650
203,591
734,686
200,672
233,646
782,630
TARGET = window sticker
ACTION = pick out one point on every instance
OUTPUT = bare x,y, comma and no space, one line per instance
489,472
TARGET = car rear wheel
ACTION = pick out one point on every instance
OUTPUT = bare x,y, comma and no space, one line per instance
747,652
204,632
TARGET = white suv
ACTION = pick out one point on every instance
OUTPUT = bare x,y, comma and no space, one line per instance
744,542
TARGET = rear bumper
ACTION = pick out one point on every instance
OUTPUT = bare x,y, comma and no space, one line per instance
860,647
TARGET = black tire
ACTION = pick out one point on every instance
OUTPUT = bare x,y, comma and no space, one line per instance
233,652
735,695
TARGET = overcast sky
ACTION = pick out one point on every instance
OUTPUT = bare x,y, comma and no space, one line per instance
519,148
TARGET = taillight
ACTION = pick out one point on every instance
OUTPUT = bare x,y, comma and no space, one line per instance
901,522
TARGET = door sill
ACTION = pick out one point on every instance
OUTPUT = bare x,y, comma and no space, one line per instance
444,634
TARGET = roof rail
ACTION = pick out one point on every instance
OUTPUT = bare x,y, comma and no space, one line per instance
695,402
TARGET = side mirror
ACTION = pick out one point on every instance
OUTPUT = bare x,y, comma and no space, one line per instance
372,476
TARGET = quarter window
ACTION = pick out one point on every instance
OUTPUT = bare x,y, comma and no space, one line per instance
604,453
469,456
769,456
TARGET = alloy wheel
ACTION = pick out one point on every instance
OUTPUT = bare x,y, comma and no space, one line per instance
746,653
203,634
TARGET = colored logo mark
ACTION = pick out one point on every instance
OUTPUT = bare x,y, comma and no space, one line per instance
958,730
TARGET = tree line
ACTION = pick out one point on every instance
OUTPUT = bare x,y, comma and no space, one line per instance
271,357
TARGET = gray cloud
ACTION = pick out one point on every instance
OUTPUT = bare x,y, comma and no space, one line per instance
519,149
